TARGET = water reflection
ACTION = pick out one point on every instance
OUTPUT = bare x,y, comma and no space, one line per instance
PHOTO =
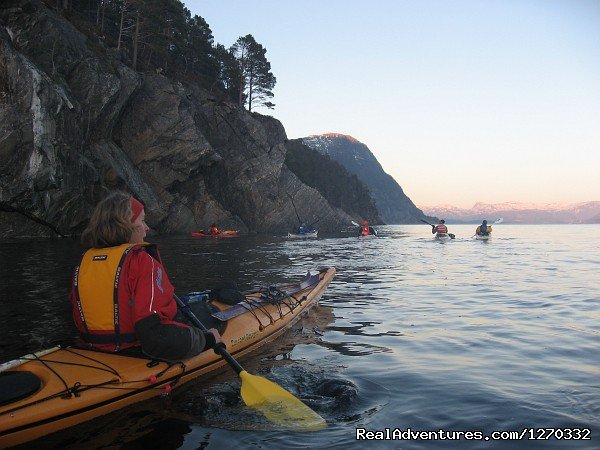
410,333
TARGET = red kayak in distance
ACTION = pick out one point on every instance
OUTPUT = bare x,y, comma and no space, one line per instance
222,234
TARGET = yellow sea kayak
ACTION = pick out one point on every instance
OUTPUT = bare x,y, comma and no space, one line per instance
61,387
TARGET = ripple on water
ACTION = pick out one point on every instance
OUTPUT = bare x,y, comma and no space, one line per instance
494,336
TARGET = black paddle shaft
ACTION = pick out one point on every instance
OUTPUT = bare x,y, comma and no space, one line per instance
219,348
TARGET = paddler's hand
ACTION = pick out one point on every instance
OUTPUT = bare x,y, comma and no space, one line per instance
215,333
219,344
212,339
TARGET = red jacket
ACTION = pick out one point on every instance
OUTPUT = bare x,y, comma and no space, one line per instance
143,289
441,229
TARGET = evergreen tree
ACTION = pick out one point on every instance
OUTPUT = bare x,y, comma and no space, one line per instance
200,57
229,72
256,81
163,36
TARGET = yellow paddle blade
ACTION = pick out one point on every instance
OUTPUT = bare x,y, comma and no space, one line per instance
278,405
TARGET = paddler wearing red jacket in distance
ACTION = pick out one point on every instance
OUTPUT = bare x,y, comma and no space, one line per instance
214,230
440,228
121,294
364,230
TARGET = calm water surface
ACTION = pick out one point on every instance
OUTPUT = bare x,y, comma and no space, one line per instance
412,333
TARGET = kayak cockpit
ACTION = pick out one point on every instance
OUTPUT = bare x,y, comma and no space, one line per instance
15,386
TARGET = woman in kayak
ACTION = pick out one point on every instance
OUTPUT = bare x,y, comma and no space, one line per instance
121,294
484,229
440,228
213,229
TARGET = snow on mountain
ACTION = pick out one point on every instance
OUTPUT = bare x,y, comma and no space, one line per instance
519,212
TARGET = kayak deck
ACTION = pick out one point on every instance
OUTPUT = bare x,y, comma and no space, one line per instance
78,384
302,235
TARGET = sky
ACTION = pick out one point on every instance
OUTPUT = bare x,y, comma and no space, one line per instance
461,101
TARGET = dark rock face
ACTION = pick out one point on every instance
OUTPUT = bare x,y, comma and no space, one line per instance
75,123
333,181
392,203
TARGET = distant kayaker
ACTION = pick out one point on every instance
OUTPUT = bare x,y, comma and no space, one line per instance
214,230
304,229
440,228
364,230
484,229
121,294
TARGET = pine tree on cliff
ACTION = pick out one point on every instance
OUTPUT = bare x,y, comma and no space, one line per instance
256,82
198,54
229,72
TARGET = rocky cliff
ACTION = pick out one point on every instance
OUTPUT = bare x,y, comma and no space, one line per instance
333,181
76,122
393,204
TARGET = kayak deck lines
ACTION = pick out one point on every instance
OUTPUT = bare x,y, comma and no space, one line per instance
77,387
270,295
291,305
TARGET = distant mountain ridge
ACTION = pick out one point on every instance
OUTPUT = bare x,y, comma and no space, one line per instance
516,212
339,187
392,203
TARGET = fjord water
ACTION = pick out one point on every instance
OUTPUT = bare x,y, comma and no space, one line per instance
412,333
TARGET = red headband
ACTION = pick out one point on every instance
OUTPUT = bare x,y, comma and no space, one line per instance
137,208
